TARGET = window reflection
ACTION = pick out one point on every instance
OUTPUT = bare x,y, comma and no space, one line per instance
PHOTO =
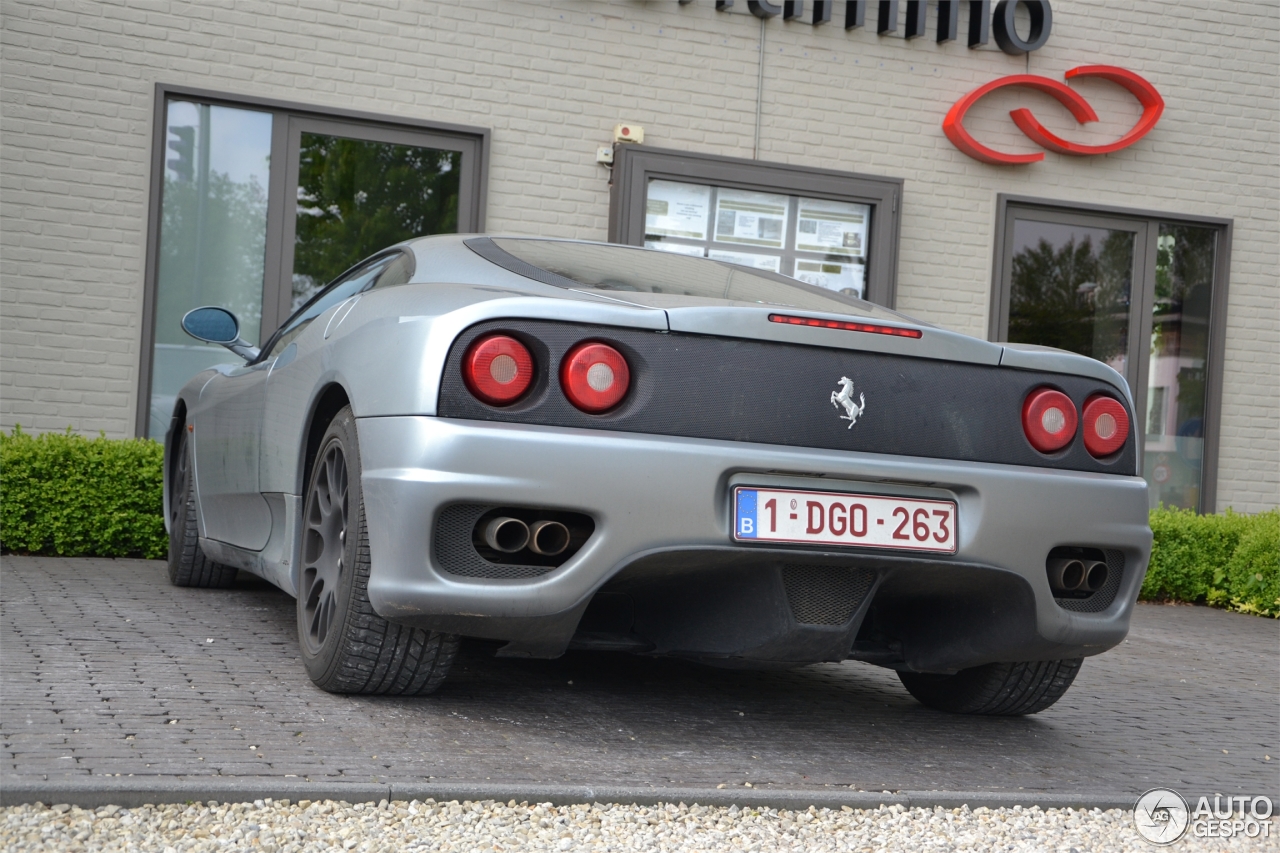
356,197
1185,257
821,242
213,224
1070,289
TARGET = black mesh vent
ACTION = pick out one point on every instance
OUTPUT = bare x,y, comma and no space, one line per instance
1101,599
457,555
825,595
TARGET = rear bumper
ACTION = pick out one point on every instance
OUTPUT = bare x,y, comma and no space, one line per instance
662,508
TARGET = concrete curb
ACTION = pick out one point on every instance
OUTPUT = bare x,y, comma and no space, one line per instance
136,792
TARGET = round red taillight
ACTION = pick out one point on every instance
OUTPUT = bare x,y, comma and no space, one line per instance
1106,425
1048,419
595,377
498,369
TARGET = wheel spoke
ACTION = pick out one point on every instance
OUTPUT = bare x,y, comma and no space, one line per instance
324,535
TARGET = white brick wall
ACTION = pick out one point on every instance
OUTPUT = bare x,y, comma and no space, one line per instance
551,80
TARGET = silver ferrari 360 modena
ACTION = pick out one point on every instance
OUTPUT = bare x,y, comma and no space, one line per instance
570,445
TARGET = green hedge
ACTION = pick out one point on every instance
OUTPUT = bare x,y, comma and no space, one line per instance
1228,560
65,494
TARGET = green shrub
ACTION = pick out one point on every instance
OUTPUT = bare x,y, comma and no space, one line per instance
1253,575
65,494
1227,560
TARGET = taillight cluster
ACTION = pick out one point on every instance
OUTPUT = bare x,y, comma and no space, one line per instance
499,370
1049,419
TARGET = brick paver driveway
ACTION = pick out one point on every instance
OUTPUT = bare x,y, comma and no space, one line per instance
109,671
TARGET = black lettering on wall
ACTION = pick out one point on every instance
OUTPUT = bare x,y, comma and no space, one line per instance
979,22
948,20
855,14
917,18
1007,35
981,19
764,9
888,18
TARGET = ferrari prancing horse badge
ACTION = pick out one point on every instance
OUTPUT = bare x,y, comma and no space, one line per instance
844,397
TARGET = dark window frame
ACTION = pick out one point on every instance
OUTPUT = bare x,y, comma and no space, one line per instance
288,118
635,165
1146,222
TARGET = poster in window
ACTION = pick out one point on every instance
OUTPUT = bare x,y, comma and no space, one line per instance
676,248
677,210
832,227
849,279
747,259
756,219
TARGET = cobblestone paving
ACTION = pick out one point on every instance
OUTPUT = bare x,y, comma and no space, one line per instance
106,670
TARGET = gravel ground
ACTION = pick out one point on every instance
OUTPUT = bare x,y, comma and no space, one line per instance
493,826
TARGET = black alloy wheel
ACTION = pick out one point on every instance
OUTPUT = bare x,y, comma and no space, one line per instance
323,547
346,646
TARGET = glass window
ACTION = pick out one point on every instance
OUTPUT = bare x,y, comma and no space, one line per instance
1186,256
260,205
616,268
213,225
1070,289
358,196
1084,281
834,230
821,242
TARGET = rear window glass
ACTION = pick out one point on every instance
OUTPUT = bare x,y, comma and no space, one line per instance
623,269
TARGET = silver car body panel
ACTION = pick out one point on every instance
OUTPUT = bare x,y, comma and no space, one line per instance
386,350
649,493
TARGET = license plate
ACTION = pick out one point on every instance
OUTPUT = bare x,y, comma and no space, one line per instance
841,518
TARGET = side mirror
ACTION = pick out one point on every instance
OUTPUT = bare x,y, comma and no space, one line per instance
218,326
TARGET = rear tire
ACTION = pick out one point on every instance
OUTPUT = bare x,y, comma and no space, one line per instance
188,566
346,646
995,689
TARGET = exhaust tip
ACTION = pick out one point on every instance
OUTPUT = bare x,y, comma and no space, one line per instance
507,535
548,538
1095,576
1067,574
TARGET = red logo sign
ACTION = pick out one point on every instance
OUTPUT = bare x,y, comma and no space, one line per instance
1152,107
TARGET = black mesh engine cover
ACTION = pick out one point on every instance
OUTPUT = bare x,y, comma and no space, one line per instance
734,389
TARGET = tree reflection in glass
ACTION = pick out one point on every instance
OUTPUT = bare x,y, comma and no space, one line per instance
1174,449
356,197
1070,289
213,225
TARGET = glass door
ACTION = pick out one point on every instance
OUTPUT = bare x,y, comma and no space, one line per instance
260,207
1177,371
1071,285
1139,293
212,240
355,189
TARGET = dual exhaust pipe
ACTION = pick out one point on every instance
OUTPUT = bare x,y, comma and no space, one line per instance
1071,574
509,535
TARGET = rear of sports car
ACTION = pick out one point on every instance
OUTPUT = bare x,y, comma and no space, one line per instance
761,485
